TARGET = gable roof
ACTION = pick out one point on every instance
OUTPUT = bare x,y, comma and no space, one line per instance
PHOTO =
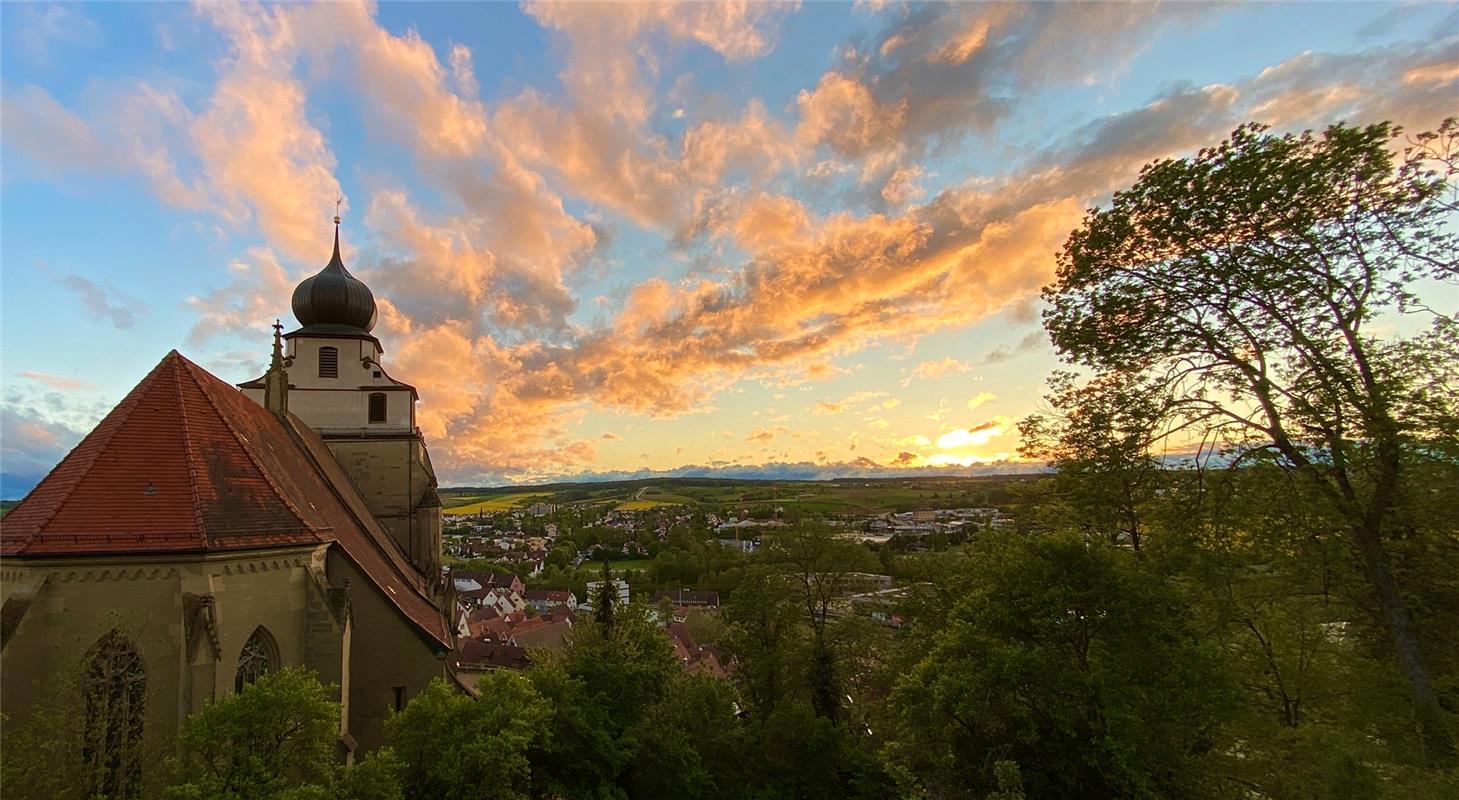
187,464
689,597
553,595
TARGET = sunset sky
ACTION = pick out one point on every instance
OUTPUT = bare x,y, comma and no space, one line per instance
756,240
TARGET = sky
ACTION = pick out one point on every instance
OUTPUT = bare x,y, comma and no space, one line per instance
606,240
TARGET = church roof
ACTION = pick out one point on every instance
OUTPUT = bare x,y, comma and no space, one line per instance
186,463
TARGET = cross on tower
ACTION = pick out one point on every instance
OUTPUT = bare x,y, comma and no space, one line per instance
337,200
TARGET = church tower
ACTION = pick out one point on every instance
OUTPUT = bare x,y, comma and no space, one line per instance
337,385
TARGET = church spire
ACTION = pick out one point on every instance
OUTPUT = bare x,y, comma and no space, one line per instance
334,301
336,260
276,380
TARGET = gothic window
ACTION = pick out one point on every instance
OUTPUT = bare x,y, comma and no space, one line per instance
328,362
114,691
377,407
258,656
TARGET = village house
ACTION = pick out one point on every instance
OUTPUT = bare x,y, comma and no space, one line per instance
545,600
688,598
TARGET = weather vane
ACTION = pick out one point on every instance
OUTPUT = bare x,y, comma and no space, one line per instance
337,200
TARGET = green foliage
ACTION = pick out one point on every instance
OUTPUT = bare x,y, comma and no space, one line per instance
375,777
275,740
1243,283
600,688
1099,440
451,745
604,602
1066,657
1009,779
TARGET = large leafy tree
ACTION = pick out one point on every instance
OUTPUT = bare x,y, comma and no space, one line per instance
451,745
274,740
1246,280
820,568
1099,436
1065,658
601,689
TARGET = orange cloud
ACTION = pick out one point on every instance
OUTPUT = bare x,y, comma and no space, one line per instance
57,382
479,278
935,369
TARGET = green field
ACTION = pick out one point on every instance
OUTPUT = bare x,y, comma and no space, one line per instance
727,496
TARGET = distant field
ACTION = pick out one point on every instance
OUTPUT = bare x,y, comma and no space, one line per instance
844,496
492,505
644,505
666,497
593,570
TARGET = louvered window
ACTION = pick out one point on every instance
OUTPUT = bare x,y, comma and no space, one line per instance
377,407
328,362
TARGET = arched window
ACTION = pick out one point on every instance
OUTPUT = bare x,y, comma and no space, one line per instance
377,407
258,656
114,691
328,362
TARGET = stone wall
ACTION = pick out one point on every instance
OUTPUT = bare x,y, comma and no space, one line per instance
187,617
386,653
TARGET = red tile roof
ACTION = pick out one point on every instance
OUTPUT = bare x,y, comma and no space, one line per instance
553,595
187,463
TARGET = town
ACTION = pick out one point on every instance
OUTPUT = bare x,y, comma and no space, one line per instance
525,565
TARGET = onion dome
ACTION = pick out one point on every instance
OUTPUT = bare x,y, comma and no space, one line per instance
334,299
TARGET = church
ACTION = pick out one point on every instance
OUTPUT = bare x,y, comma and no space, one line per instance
204,534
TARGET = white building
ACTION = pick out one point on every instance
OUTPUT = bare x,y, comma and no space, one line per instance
595,587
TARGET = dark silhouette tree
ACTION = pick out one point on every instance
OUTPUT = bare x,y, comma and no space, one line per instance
1244,281
603,610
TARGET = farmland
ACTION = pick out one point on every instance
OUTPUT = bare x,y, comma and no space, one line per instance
457,504
808,498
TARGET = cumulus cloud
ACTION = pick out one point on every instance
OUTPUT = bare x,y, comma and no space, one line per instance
42,27
976,435
260,292
29,447
57,382
1031,342
479,264
980,399
41,419
104,301
935,369
861,398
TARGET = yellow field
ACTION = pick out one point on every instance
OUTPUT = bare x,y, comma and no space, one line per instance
491,505
642,505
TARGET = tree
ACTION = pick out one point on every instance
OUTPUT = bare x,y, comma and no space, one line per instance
599,689
1244,279
1065,659
607,596
274,740
764,626
451,745
1099,439
819,567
